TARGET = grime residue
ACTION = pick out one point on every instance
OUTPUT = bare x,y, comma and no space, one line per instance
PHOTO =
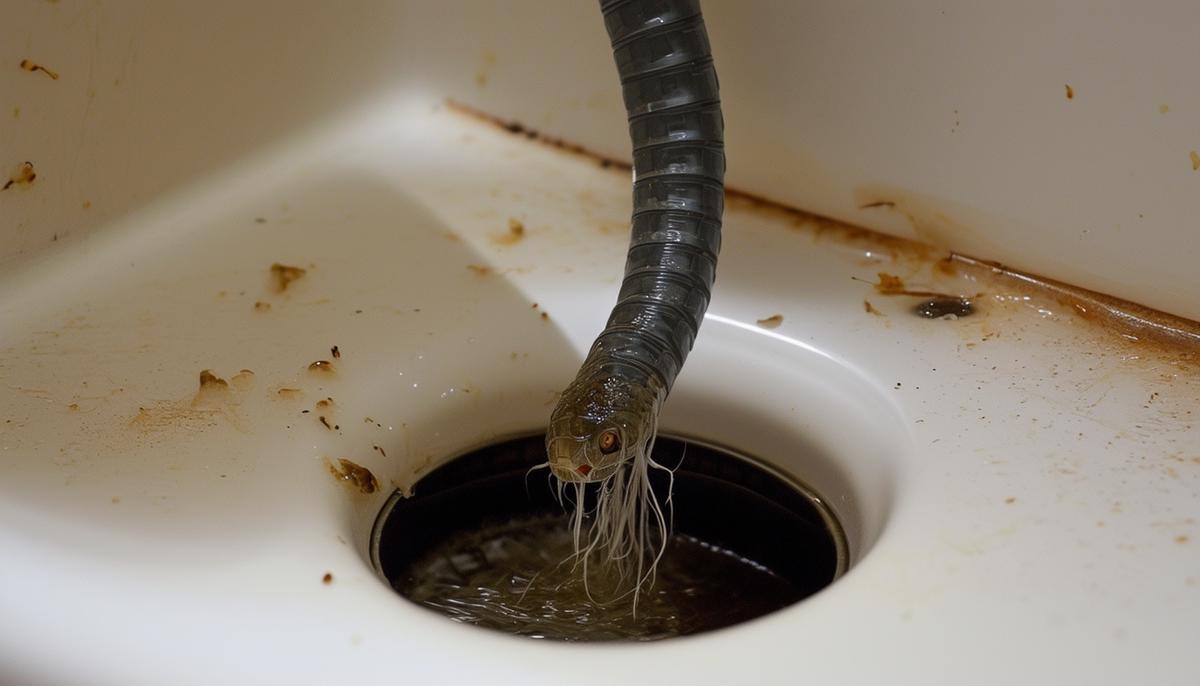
24,176
260,306
1130,322
890,284
325,422
1010,500
1164,108
944,308
336,352
1195,157
516,232
479,269
283,275
213,391
545,316
487,60
87,204
74,407
243,380
288,393
322,367
870,309
324,404
354,475
1070,91
327,579
31,66
519,129
380,450
771,322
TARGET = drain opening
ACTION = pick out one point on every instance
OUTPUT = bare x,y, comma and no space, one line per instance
485,542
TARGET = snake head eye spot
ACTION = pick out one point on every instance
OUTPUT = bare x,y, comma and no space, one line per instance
609,441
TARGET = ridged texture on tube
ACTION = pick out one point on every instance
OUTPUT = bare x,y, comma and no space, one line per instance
671,95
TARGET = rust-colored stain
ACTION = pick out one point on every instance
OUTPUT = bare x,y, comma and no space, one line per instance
1195,157
74,407
31,66
287,393
243,380
260,306
870,309
1070,92
514,235
1133,322
1010,500
936,222
327,579
479,269
354,474
522,130
283,275
213,391
545,316
24,176
771,322
324,403
324,367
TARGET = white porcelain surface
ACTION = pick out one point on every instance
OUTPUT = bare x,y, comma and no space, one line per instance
1019,486
191,541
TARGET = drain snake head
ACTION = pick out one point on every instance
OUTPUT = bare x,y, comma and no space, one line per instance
600,423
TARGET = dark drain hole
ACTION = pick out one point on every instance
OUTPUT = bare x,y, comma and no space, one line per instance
483,543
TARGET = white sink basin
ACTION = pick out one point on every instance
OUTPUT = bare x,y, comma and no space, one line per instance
1018,486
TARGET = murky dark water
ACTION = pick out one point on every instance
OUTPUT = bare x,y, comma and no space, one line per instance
486,544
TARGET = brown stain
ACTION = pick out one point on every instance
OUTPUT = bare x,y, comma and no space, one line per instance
1164,108
771,322
31,66
514,235
545,316
1070,91
1182,539
24,176
213,391
87,204
336,352
260,306
287,393
283,275
243,380
1010,500
74,407
1134,323
327,579
870,309
325,422
519,129
479,269
935,221
324,404
322,368
380,450
354,475
1195,157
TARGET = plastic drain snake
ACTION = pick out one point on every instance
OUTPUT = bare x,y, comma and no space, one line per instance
602,430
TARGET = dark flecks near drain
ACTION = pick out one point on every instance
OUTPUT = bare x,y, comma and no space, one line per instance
337,353
939,308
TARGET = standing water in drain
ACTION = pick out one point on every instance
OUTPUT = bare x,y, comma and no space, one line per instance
483,544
